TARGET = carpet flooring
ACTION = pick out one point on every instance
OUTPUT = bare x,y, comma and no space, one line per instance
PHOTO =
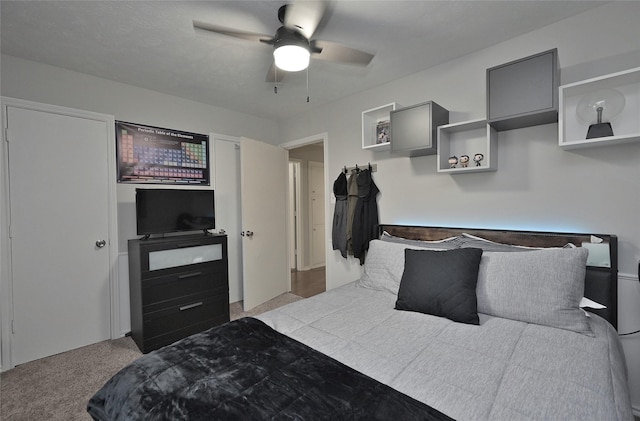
57,388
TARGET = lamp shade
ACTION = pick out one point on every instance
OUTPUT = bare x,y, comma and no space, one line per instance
291,58
610,102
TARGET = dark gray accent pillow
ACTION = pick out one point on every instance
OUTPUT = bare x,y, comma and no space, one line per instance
441,283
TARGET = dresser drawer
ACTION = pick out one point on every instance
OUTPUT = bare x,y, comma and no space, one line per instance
204,266
185,314
160,259
165,288
150,344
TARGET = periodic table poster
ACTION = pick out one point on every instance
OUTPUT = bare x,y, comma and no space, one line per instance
149,154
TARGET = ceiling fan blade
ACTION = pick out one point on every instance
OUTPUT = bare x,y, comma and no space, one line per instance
250,36
273,75
305,16
332,51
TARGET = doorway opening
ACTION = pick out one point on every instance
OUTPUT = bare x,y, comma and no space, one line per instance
307,241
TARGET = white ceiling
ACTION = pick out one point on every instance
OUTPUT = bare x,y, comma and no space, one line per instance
152,44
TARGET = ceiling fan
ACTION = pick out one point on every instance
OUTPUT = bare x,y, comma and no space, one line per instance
292,43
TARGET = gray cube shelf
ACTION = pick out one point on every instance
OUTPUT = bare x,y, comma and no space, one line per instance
414,129
524,92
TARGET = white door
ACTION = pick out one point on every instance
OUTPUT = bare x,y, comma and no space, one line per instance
292,215
295,234
227,196
316,196
59,213
264,182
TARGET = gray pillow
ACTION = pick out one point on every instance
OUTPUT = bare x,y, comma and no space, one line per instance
468,240
542,287
384,265
445,244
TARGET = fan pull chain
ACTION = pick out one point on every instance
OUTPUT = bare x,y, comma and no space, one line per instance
275,79
307,83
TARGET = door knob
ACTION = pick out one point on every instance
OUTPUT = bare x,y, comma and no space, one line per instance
101,243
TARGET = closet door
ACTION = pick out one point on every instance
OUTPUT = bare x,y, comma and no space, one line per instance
228,218
59,232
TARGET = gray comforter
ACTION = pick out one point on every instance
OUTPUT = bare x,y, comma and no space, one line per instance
500,370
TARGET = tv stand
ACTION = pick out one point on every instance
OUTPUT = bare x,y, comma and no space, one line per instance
178,286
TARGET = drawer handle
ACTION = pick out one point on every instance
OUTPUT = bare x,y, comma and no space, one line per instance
190,306
189,275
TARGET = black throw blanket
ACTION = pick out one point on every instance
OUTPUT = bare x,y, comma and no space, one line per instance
244,370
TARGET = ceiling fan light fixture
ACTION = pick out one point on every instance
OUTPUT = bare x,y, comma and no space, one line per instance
291,58
291,50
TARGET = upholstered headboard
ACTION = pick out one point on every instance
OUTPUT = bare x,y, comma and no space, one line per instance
601,283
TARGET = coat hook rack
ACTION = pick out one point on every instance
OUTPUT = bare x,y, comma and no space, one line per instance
369,166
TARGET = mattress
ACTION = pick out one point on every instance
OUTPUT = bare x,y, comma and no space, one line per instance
501,369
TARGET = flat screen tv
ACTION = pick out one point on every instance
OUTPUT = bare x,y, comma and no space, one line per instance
161,211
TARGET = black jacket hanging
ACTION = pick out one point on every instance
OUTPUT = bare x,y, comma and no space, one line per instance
352,200
365,220
339,227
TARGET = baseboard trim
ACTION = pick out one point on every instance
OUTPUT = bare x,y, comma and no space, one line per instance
627,277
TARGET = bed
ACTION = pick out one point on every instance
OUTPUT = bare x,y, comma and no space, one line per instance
445,323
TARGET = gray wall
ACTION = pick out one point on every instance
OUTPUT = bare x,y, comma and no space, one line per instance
537,186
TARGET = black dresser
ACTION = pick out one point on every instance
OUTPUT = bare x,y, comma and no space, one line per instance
178,286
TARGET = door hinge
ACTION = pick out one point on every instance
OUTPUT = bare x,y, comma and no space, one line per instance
6,134
13,330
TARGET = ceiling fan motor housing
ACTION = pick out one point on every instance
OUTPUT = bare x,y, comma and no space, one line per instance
286,36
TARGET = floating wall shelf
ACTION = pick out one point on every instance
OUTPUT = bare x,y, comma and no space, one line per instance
414,129
467,138
524,92
626,126
370,121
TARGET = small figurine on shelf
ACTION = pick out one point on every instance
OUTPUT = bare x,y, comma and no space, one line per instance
464,161
477,158
453,160
382,132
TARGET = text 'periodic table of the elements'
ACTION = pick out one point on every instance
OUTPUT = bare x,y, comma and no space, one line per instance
154,155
